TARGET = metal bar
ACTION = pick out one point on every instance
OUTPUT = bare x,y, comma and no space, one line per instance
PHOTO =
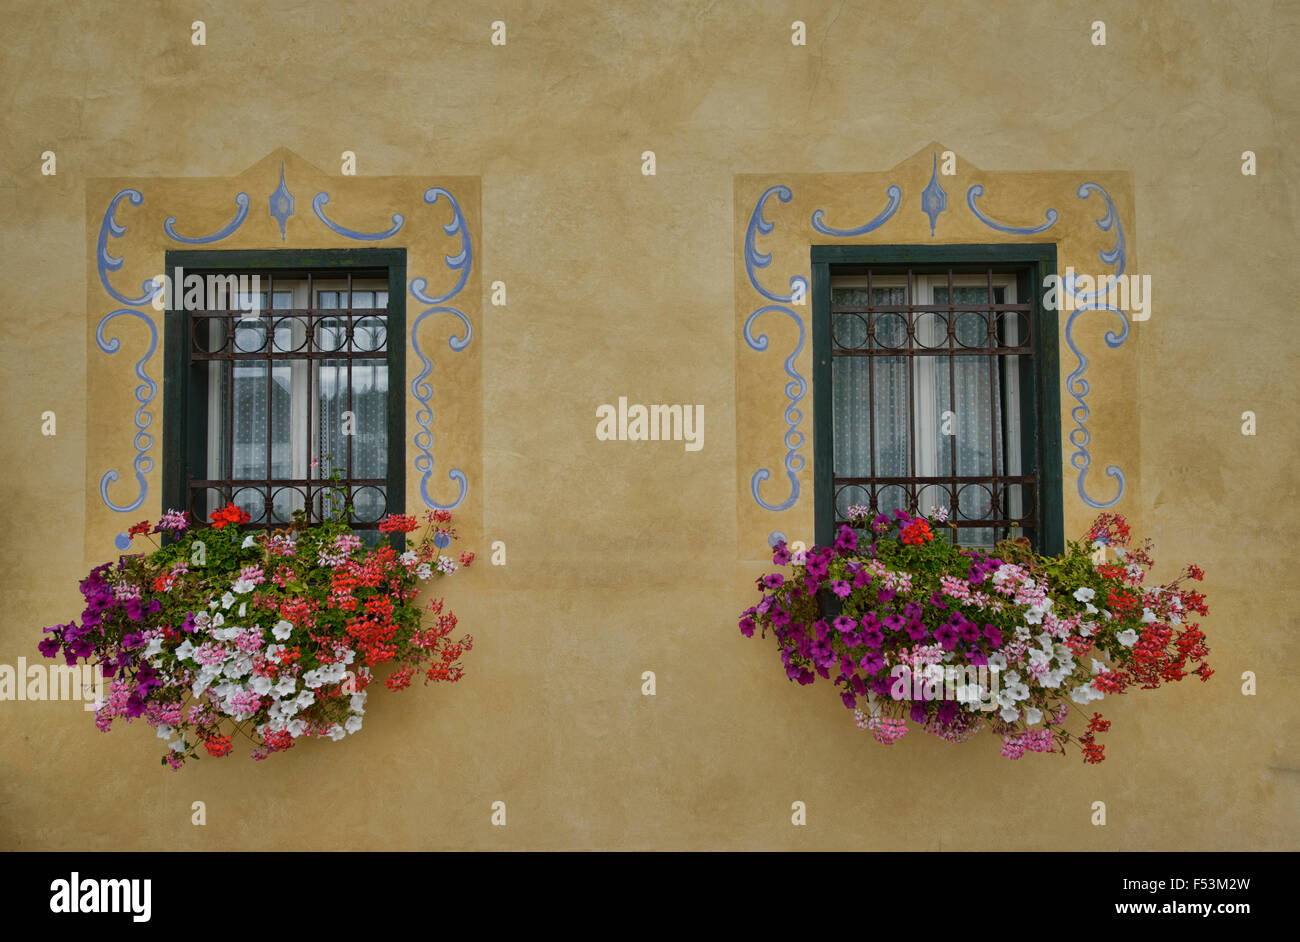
911,405
287,482
903,308
270,344
311,397
871,393
994,453
348,348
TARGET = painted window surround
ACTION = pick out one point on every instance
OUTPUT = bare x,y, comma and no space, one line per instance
133,222
1087,216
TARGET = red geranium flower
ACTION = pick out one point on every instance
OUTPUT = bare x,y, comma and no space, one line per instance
229,514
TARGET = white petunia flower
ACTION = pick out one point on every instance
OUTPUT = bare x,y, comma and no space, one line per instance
227,600
336,732
353,724
261,686
282,630
165,731
1085,594
1148,616
286,686
1128,637
248,541
1009,713
242,587
1033,715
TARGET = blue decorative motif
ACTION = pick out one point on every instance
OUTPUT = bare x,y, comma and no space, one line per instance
977,190
895,194
281,203
1114,256
144,394
775,537
794,391
107,263
460,262
934,200
424,415
754,259
1075,383
323,198
241,200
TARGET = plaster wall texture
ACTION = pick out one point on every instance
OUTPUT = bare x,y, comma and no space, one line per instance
626,556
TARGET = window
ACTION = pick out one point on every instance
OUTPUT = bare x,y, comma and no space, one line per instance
936,385
295,375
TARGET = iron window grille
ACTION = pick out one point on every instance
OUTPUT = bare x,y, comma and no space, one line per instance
326,349
952,358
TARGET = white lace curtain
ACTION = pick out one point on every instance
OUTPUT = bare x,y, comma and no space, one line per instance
905,415
302,408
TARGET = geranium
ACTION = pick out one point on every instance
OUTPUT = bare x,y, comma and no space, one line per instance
210,653
227,515
953,639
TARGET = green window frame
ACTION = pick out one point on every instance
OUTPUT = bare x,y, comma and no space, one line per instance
185,410
1039,374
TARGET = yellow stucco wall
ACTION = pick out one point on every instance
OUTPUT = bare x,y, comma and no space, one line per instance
625,557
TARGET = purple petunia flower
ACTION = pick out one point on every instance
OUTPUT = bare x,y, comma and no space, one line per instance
841,588
846,541
946,635
873,662
780,553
